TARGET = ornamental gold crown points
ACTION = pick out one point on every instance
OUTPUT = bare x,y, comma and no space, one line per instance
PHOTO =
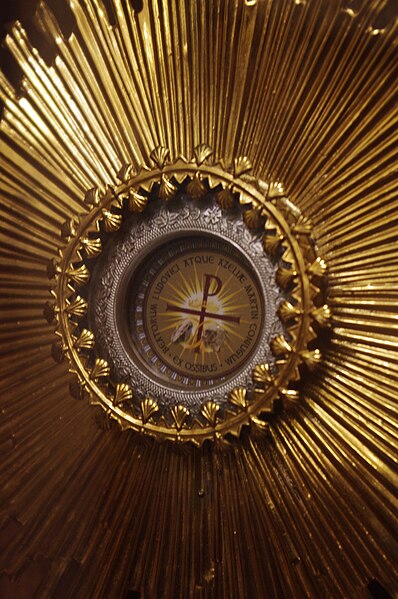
263,210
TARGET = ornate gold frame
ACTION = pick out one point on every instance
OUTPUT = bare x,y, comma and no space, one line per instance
286,234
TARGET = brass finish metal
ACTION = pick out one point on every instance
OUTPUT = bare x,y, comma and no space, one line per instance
304,503
304,274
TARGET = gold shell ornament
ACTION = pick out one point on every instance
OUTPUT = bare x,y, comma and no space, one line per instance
295,252
170,430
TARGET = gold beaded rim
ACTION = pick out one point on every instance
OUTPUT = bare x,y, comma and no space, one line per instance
286,239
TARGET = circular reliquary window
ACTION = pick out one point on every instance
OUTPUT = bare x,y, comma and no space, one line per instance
188,298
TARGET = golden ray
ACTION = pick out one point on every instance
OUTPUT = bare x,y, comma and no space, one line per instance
226,297
169,326
307,91
190,287
180,293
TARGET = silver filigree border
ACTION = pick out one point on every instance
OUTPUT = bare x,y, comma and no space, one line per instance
129,248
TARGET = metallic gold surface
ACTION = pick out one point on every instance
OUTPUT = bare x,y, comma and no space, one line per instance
299,274
307,90
194,321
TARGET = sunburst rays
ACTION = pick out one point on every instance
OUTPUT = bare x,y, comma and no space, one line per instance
307,90
209,304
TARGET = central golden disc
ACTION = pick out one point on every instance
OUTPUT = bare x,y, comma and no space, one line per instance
196,312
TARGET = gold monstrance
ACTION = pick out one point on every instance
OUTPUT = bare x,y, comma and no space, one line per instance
199,291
